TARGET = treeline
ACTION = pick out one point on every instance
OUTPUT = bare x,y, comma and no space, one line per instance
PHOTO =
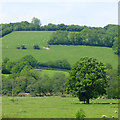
26,26
104,37
35,25
29,62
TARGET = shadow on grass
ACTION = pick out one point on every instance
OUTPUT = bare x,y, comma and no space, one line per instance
96,103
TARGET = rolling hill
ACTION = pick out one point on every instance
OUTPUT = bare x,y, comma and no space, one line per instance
56,52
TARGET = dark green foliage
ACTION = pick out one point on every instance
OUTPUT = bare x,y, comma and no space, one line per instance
87,36
19,66
26,63
59,37
87,79
23,47
112,90
75,28
36,47
59,83
34,83
36,22
115,46
23,79
7,66
58,64
6,86
5,60
30,60
80,114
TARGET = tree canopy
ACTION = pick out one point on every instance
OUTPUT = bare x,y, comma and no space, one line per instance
36,22
88,79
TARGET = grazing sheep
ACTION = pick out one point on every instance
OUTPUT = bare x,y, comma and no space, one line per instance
104,116
116,111
113,117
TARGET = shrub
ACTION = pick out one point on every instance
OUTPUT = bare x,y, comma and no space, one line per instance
80,114
23,47
36,47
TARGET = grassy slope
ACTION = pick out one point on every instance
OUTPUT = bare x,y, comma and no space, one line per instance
56,107
71,53
50,73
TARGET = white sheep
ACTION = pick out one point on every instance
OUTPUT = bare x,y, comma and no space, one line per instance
116,111
113,117
104,116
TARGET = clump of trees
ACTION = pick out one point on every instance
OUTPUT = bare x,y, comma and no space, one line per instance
26,63
58,64
88,36
29,62
20,26
34,83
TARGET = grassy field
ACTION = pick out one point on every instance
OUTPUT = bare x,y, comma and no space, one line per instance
56,107
57,52
50,73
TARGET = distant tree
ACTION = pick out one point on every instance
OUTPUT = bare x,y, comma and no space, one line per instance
62,26
51,27
36,22
5,69
87,79
30,60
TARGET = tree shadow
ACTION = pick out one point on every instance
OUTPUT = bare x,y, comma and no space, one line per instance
96,103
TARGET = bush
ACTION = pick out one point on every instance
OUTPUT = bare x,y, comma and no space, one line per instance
80,114
36,47
23,47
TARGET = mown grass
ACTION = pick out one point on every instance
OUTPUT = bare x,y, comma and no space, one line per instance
57,107
57,52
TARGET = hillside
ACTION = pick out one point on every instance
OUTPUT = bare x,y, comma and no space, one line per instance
56,52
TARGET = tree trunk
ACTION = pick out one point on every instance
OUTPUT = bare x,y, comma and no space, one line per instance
87,101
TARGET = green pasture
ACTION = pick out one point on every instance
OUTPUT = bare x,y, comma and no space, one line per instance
56,52
56,107
42,72
27,38
50,73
